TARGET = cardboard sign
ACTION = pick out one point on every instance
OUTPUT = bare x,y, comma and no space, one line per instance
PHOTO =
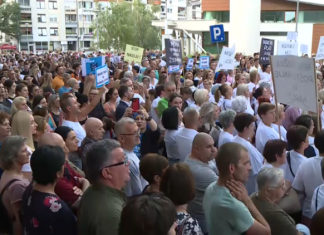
173,68
89,65
102,76
266,50
295,81
226,60
320,49
287,48
204,62
133,53
190,64
173,51
292,36
304,48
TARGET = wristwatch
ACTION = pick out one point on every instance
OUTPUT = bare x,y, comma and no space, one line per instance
148,119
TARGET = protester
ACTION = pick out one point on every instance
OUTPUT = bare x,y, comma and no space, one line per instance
226,119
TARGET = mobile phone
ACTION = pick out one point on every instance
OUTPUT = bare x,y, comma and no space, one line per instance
135,104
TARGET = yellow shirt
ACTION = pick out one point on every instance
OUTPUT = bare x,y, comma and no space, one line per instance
57,83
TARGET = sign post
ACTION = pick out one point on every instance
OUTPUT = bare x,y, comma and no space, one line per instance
217,35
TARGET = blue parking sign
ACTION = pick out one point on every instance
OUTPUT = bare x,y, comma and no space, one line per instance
217,33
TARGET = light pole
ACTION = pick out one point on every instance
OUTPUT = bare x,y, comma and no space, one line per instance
297,13
97,15
26,24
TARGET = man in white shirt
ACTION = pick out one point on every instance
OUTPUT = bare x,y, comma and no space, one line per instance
186,135
256,66
159,91
71,108
128,135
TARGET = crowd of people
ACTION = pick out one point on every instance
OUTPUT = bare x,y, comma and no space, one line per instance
192,152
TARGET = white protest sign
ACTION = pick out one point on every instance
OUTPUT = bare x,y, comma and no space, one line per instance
102,76
287,48
226,60
295,82
320,49
292,36
304,48
204,62
190,64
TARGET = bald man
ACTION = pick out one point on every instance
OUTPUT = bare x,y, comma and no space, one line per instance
201,162
94,132
72,185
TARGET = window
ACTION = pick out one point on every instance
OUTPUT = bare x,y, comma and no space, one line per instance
41,18
52,5
273,33
25,16
24,3
53,18
272,16
26,31
42,32
290,16
71,31
169,10
221,16
54,31
70,18
41,46
311,17
86,43
40,4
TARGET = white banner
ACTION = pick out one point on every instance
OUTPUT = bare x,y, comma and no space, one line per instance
304,48
287,48
226,60
320,49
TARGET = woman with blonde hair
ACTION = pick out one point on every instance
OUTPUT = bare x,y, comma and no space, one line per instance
209,113
34,71
239,79
47,83
54,108
19,103
278,122
23,124
200,96
40,130
74,84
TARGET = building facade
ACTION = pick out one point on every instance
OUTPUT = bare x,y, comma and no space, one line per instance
246,22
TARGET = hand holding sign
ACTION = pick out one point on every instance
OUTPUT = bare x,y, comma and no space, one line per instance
102,76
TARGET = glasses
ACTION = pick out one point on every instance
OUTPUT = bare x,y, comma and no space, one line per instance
281,187
138,132
125,162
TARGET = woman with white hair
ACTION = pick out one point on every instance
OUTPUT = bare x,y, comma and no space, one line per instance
201,96
19,103
243,90
272,188
226,119
239,104
209,113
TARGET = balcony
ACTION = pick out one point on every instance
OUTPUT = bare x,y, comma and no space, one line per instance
26,38
25,9
71,23
87,36
71,34
70,9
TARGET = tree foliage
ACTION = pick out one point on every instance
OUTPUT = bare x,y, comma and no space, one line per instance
10,17
127,23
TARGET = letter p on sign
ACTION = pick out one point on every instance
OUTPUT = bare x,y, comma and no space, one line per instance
217,33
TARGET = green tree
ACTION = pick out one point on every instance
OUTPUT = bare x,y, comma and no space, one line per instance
10,17
127,23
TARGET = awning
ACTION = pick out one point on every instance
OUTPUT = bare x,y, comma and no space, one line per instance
7,47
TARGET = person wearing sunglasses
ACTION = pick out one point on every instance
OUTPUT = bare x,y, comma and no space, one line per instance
102,203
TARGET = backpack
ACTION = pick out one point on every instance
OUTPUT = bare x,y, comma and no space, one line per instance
6,222
181,227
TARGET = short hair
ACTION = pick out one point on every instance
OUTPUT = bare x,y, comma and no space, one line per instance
170,118
273,148
264,108
72,82
200,96
124,80
10,148
241,88
147,214
65,101
45,162
226,118
169,84
128,74
264,84
243,120
66,77
239,104
190,115
296,135
63,131
19,87
158,90
102,149
3,117
8,84
58,67
152,164
120,125
75,65
178,184
304,120
269,177
319,140
227,154
122,91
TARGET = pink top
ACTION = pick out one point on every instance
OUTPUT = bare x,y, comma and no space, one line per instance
230,79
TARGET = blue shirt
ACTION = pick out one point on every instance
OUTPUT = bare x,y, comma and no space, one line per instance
137,148
62,90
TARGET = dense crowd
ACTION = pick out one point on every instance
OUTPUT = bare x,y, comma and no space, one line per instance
153,152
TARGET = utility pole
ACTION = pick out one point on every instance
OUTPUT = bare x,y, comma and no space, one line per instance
97,31
78,30
297,13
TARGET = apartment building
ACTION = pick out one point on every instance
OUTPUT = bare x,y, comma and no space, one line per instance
246,22
56,24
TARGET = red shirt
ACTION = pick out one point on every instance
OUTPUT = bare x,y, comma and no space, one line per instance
64,187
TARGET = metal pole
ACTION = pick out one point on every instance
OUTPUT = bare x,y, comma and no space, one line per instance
217,49
297,13
194,41
97,33
77,15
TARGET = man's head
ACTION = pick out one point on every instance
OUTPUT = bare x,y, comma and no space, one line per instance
233,162
11,75
53,139
69,104
125,93
110,164
93,93
203,147
94,128
59,70
66,77
127,133
127,82
191,118
169,88
129,74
